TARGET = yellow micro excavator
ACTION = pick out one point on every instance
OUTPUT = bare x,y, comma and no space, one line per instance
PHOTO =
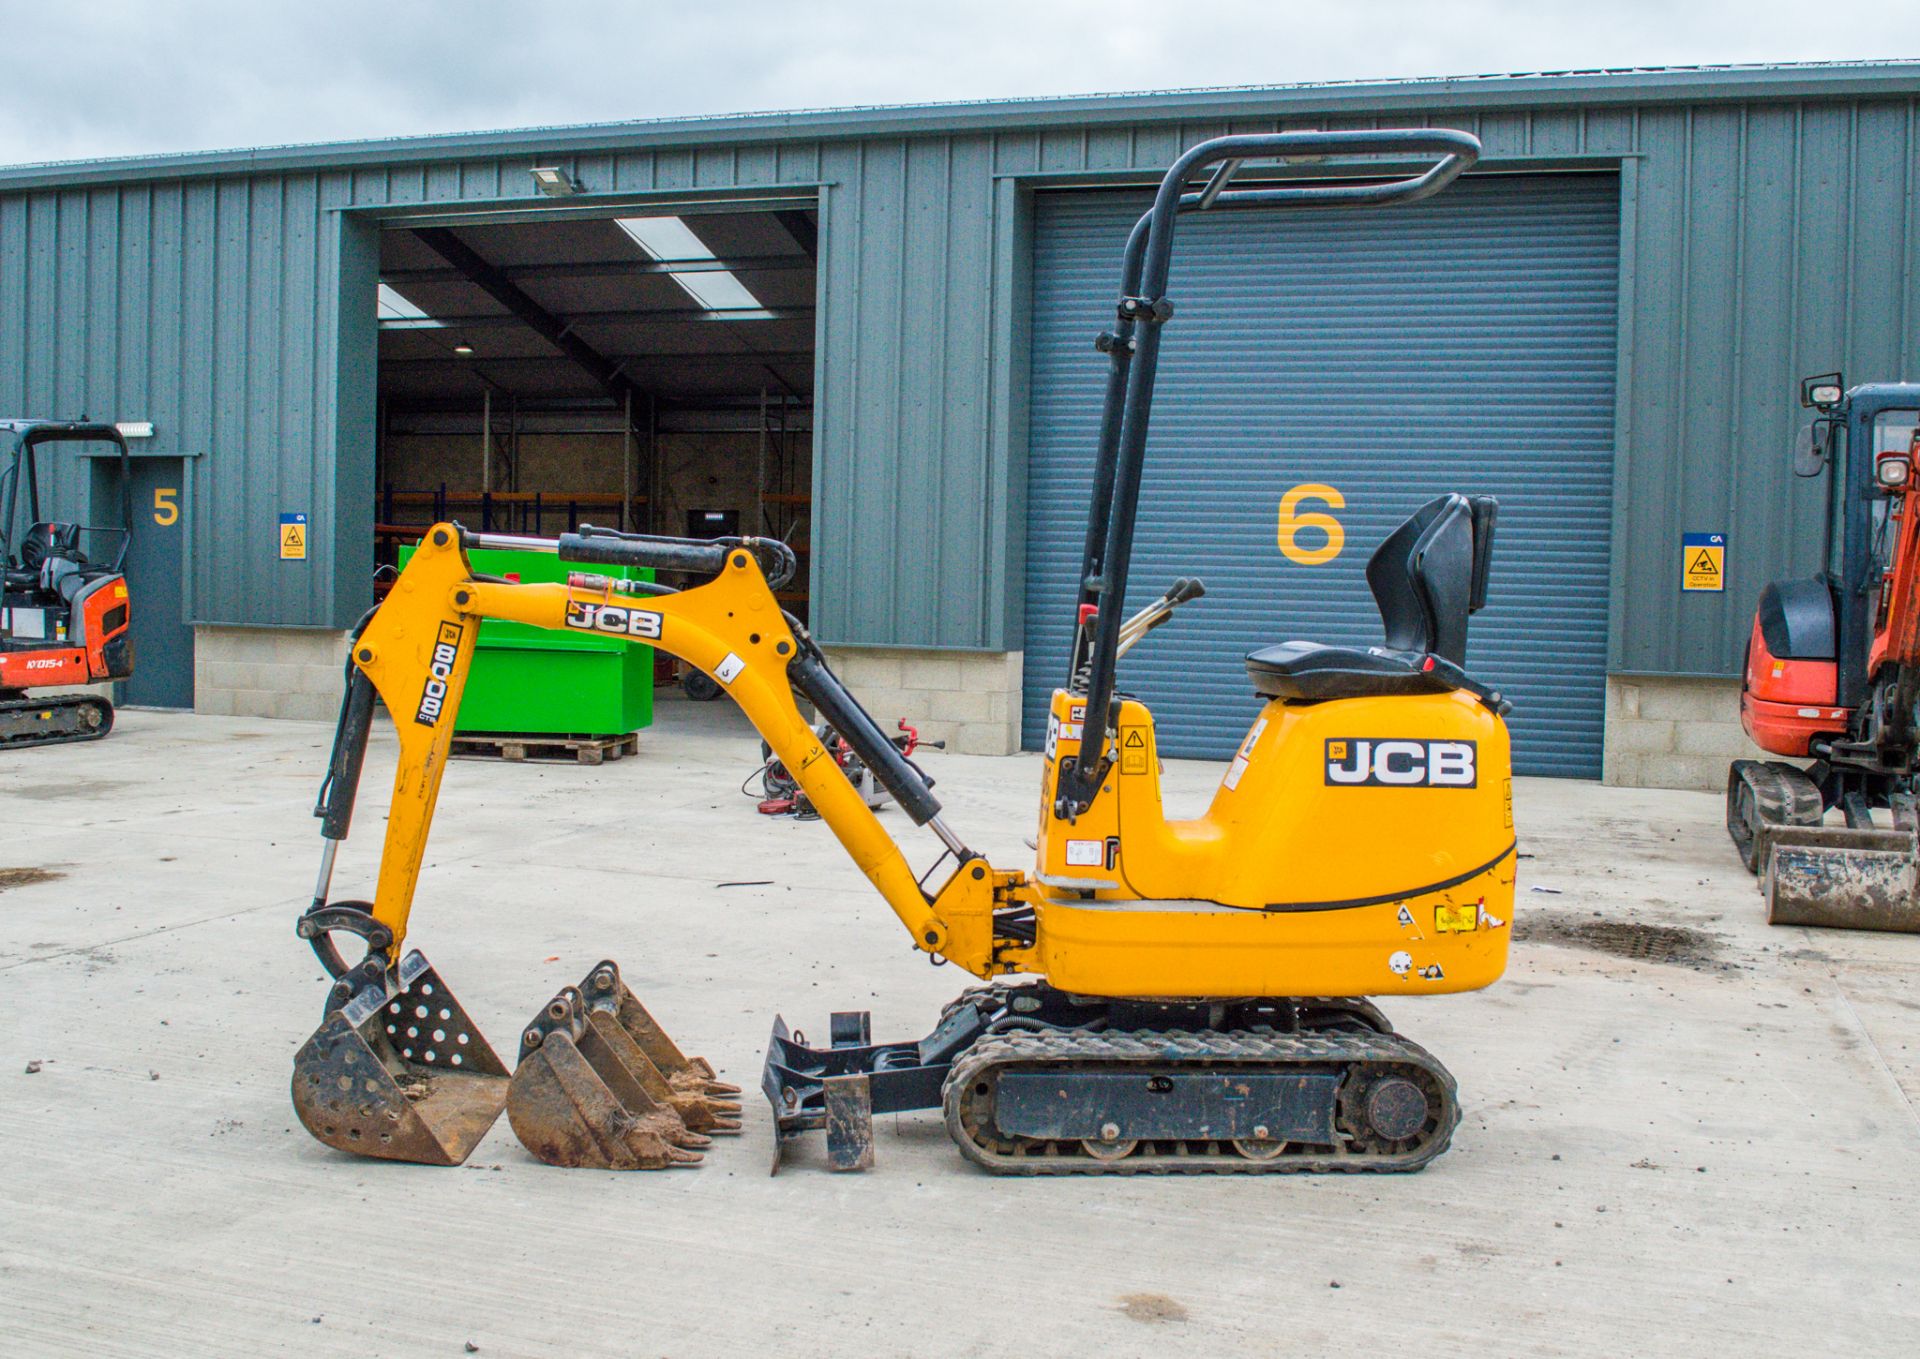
1191,993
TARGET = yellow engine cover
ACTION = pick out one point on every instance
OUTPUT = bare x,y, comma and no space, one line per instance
1363,846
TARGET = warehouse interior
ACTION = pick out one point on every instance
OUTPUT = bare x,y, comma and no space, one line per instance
652,373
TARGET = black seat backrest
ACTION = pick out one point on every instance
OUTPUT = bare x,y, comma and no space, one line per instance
48,539
1431,574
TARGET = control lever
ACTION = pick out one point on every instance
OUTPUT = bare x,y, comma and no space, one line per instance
1180,592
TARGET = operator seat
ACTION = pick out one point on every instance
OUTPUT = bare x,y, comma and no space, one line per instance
51,553
1427,578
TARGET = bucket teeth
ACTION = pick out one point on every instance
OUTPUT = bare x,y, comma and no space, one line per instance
589,1091
692,1078
400,1073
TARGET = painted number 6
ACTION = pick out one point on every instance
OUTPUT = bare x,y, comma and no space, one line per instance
1292,521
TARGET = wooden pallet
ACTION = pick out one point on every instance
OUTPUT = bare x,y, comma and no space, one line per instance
582,749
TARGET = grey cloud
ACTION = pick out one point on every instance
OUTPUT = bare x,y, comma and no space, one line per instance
116,77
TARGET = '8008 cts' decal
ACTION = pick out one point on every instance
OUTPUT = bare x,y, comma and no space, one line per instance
433,698
1378,762
614,618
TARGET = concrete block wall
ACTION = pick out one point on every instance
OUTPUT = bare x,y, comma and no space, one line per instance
268,672
1674,733
969,699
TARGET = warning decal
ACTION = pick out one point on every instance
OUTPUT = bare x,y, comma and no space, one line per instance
1133,750
1703,561
293,537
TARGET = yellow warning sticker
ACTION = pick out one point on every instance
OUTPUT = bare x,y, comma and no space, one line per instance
1133,750
1703,561
293,537
1456,919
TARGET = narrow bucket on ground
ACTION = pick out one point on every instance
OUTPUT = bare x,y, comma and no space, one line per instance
599,1085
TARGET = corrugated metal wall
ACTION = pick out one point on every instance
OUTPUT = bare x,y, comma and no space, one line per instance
1766,240
1462,344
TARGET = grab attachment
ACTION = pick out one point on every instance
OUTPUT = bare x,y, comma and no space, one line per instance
600,1086
399,1072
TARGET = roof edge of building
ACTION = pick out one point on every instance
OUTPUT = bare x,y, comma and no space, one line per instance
1648,85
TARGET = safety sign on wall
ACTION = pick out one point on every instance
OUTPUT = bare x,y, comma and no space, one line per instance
1703,561
293,537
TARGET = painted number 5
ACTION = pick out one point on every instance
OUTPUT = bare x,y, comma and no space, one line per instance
1292,521
166,505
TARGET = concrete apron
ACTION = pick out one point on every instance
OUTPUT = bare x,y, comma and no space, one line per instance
1682,1127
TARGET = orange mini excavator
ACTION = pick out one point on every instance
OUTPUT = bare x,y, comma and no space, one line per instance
1833,677
66,618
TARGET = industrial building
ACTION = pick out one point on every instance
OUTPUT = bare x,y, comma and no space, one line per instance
870,332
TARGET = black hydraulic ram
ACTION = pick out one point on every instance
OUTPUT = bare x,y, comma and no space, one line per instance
843,712
334,807
694,556
1133,350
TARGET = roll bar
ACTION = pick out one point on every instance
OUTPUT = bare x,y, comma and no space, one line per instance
29,435
1133,351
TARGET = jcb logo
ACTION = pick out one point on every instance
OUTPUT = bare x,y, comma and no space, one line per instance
1364,762
433,698
613,618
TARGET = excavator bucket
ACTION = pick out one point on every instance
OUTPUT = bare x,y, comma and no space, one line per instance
1842,878
404,1076
600,1086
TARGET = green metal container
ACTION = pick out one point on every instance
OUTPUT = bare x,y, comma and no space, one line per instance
529,681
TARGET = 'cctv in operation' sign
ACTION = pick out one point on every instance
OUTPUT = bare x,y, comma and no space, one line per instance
1703,561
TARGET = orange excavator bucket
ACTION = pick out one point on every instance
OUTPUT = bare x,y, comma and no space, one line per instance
600,1085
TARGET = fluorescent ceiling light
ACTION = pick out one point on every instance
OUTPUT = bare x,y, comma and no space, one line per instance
669,238
135,429
398,313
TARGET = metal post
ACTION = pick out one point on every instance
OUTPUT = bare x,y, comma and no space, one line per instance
626,461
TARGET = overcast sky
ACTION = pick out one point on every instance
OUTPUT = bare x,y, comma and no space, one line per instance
92,78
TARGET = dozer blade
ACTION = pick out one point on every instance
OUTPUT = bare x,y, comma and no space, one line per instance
402,1076
1841,878
587,1092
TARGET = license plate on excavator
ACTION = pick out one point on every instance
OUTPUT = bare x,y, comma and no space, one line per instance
402,1076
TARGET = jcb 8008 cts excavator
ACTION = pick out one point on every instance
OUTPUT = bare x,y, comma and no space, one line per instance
1833,676
1196,988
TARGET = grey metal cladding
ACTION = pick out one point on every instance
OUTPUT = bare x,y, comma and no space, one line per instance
1770,214
1464,344
1767,242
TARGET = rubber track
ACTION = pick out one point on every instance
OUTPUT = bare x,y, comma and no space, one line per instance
1786,796
1782,796
1145,1047
996,996
16,735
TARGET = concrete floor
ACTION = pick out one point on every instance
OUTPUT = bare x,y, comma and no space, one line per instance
1657,1156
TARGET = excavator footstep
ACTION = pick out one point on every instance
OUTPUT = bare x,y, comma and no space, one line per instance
601,1086
400,1074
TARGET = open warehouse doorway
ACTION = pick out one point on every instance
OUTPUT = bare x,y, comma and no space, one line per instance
650,370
